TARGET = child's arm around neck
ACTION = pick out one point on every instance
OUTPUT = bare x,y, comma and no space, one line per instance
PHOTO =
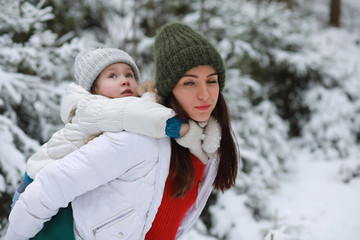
139,115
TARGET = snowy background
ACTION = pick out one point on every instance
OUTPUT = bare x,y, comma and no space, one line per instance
292,87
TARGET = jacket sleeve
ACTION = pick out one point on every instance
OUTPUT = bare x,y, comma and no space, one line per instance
56,148
131,114
95,164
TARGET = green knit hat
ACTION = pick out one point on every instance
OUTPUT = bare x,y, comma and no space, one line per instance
177,49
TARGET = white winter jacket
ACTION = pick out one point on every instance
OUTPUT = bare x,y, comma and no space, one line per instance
86,115
115,183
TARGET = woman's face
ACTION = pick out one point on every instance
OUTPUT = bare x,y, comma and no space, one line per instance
197,92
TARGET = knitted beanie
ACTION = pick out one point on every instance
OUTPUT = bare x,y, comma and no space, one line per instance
177,49
90,63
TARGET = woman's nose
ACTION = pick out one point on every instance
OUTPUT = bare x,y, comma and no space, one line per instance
203,93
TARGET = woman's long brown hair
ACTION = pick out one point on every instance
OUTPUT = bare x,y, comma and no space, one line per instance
181,167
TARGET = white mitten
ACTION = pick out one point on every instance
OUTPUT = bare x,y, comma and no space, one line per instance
212,139
193,140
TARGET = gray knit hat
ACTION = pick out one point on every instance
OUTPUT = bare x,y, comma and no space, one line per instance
177,49
90,63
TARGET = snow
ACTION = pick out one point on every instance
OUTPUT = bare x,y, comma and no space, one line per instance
314,204
311,202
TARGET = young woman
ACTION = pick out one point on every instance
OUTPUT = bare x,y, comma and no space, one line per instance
129,186
190,75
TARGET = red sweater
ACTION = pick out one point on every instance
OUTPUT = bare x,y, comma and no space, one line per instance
172,210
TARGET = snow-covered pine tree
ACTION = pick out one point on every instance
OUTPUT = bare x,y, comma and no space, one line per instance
333,131
274,51
128,25
34,61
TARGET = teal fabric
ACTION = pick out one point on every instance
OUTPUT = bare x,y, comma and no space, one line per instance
173,126
60,227
28,179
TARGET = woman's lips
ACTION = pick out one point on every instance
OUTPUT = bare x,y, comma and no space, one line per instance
203,107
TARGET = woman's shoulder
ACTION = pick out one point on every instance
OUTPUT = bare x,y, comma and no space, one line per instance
125,137
138,143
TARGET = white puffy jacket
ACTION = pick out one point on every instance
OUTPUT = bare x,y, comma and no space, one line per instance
86,115
115,183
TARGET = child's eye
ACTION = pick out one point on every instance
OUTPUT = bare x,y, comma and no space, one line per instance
112,76
129,75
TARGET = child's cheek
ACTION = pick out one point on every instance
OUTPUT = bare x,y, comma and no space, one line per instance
110,90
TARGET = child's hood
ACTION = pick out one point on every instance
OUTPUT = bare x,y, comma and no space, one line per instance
68,104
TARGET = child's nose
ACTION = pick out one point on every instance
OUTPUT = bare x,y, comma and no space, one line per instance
124,81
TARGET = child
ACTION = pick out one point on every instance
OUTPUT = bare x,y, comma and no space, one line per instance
104,76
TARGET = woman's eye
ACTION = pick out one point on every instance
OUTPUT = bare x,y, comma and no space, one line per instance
212,81
188,83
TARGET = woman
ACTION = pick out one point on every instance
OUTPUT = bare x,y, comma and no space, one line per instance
119,190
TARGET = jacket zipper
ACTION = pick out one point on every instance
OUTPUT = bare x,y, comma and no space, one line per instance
95,230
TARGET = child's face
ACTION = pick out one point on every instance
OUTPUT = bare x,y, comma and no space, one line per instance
116,81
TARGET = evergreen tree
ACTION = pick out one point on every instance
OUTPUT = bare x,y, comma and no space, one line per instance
128,25
275,52
33,63
334,128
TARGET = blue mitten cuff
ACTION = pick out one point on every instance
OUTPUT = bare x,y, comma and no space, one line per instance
173,126
28,179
